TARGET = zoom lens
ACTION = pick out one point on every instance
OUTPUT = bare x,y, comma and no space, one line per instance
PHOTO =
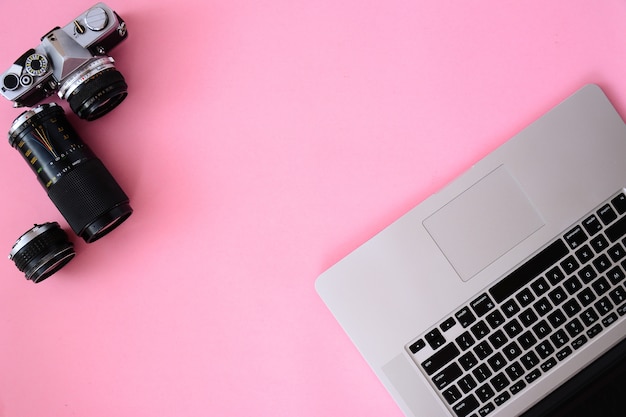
95,89
76,181
42,251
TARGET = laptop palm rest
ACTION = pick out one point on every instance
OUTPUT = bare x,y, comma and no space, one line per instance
483,223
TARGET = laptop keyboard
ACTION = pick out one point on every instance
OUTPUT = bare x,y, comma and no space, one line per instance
531,321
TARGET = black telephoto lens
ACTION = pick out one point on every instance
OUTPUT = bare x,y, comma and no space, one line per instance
77,182
42,251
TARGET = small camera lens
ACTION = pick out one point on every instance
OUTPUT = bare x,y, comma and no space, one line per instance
42,251
95,89
99,95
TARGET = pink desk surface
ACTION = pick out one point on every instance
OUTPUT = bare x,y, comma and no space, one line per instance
261,142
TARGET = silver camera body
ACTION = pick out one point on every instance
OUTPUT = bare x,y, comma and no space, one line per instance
72,61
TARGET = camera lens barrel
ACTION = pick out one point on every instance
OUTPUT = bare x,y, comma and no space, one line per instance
95,89
76,181
42,251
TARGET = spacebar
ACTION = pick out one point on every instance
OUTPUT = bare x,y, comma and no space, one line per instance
528,271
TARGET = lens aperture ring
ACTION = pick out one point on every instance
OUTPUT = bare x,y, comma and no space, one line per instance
42,251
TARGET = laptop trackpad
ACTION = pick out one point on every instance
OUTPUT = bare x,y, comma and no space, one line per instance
483,223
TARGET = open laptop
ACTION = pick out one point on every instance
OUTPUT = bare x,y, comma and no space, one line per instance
504,293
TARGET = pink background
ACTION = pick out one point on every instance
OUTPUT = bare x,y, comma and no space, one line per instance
260,143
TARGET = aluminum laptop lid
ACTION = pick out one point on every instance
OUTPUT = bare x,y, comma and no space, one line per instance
447,249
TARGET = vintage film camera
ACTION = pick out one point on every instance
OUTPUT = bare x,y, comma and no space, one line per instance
71,61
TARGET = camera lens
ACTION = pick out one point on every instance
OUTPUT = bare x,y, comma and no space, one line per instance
76,181
42,251
95,89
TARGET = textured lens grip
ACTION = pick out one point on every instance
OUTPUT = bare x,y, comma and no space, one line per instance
86,193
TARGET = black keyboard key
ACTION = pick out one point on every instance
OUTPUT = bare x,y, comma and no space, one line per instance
540,286
532,376
464,407
498,339
587,274
467,383
529,360
547,365
599,243
594,331
570,265
542,329
556,318
601,286
465,341
500,382
559,338
555,275
480,330
496,362
564,353
619,202
589,316
618,295
584,254
517,387
486,409
465,316
616,275
617,230
610,319
621,310
526,340
440,358
482,350
485,392
528,271
542,306
481,373
512,351
616,252
575,237
482,305
451,394
447,376
447,324
606,214
571,307
417,346
586,297
579,342
510,308
572,285
525,297
435,339
512,328
603,306
544,349
592,225
501,398
527,317
557,295
602,263
468,361
495,319
574,327
515,371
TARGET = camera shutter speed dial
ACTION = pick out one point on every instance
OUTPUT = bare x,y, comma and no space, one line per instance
36,65
96,19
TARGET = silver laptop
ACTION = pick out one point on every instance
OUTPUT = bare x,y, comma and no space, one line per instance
504,293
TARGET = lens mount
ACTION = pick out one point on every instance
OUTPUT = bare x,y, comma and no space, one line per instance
96,89
42,251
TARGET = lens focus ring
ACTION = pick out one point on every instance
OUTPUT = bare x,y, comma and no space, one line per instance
42,251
